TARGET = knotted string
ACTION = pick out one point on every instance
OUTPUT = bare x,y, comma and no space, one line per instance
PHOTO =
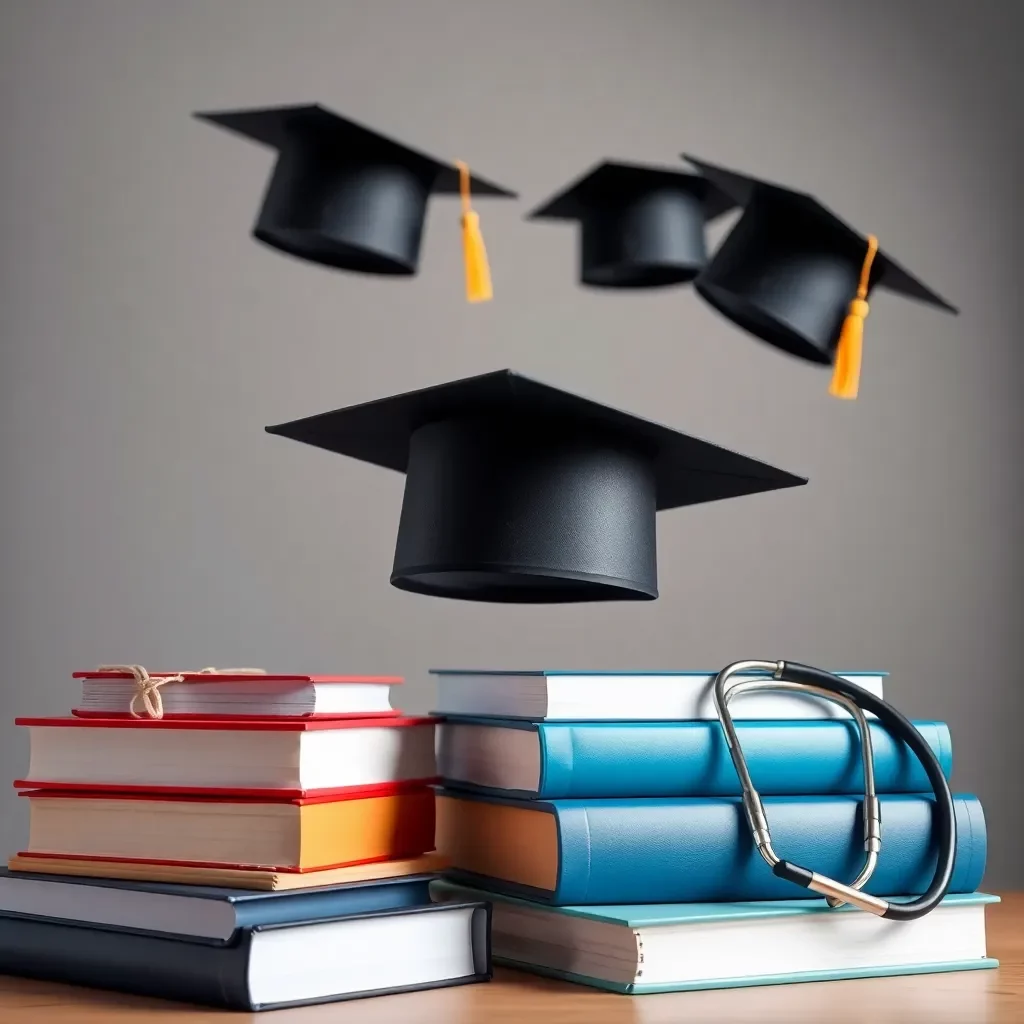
147,687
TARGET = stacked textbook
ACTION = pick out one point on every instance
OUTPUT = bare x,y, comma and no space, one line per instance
600,814
237,839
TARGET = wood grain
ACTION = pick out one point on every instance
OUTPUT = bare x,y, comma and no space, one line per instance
978,997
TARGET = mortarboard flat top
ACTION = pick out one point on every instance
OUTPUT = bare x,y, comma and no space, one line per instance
789,269
517,491
612,180
342,194
640,226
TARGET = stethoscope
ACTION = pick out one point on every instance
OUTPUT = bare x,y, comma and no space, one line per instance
786,675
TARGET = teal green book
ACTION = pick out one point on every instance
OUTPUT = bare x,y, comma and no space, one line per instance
635,950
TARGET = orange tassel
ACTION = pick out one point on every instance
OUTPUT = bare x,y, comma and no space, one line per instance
478,271
846,371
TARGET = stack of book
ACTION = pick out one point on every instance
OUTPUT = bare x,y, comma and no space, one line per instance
600,814
248,841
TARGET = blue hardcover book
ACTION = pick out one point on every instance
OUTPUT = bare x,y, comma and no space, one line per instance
197,913
263,967
580,760
692,849
683,947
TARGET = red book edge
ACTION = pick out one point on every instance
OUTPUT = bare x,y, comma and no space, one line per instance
398,855
340,793
193,716
213,677
399,791
98,720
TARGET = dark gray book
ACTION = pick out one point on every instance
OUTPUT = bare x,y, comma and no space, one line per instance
199,913
263,967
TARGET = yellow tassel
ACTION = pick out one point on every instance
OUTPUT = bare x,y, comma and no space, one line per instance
846,371
846,374
478,271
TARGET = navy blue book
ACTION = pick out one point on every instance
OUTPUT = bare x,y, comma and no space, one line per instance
198,913
264,966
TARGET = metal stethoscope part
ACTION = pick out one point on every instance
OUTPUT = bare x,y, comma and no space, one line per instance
787,676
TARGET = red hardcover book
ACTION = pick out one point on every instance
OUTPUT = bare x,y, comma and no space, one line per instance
233,694
307,834
282,758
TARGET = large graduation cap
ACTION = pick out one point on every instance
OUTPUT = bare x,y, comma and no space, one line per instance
519,492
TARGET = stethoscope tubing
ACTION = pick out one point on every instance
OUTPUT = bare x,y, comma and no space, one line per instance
944,817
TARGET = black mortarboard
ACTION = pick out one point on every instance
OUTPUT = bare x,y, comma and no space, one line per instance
345,196
640,227
794,274
516,491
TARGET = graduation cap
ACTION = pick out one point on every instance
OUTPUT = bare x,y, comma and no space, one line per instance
347,197
794,274
640,227
518,492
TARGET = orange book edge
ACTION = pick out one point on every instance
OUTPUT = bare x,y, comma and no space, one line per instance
261,879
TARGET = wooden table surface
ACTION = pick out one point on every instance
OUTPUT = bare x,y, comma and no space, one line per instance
970,997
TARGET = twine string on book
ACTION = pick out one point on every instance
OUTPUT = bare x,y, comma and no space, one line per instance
147,687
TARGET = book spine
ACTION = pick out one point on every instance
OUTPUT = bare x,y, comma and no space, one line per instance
692,759
127,962
699,850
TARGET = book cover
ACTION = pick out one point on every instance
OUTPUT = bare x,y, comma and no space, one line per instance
638,949
581,760
197,913
237,694
692,850
325,961
231,757
297,834
260,879
634,696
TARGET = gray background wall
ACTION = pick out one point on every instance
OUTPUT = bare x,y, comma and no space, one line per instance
145,341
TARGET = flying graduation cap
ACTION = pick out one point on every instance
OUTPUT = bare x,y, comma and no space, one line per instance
347,197
794,274
518,492
640,226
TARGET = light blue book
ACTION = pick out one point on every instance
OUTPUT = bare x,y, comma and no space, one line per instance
585,760
572,696
643,949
